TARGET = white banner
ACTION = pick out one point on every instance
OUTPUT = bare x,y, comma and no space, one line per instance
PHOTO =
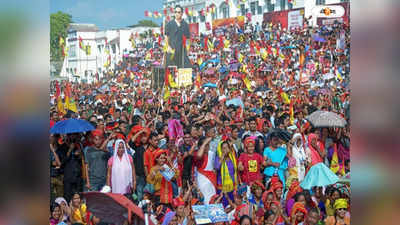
295,19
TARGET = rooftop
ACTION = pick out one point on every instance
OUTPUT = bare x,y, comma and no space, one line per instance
83,27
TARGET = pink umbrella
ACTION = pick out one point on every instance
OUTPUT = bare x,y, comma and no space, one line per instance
114,208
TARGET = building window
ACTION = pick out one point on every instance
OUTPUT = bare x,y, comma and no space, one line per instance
320,2
202,18
283,4
290,4
253,8
224,8
270,5
214,16
72,51
259,8
242,10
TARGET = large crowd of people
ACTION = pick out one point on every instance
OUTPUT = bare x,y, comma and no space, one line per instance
170,149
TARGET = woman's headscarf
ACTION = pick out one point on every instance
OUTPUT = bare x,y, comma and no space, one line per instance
59,200
340,203
121,173
293,189
248,140
315,157
298,206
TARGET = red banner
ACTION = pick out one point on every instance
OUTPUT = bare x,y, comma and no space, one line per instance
277,17
194,29
228,21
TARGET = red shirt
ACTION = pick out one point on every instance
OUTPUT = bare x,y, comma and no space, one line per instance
252,167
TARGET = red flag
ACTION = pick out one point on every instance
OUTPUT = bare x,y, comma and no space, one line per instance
252,47
159,40
184,41
221,42
146,13
80,42
171,9
187,11
166,77
165,12
206,43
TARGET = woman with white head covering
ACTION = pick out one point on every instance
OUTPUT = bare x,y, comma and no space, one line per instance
65,210
298,166
121,176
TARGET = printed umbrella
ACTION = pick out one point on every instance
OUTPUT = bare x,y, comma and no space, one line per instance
234,67
326,119
71,126
114,208
319,175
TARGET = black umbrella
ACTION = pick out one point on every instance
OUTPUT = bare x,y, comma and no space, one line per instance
281,134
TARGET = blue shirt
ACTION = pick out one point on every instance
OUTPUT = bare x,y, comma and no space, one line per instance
276,156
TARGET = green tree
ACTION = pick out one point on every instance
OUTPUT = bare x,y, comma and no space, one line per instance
59,23
145,23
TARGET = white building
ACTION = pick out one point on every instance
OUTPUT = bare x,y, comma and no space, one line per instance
104,45
235,8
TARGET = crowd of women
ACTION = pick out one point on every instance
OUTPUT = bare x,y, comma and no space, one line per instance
192,147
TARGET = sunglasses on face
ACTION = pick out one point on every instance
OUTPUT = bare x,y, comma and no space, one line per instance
342,209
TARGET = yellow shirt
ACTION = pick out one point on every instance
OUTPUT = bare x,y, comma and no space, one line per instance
156,180
77,217
330,211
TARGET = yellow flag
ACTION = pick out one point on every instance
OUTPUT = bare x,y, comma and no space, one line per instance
226,43
285,98
210,45
247,83
241,57
338,75
199,61
166,93
335,161
264,53
188,45
171,81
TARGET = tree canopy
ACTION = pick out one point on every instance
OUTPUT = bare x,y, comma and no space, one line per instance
59,23
145,23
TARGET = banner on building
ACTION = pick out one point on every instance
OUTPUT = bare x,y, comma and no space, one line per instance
277,17
295,19
194,29
184,77
339,12
228,21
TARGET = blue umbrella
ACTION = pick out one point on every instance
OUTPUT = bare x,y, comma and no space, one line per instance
234,67
71,126
318,38
319,175
222,69
210,85
235,102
